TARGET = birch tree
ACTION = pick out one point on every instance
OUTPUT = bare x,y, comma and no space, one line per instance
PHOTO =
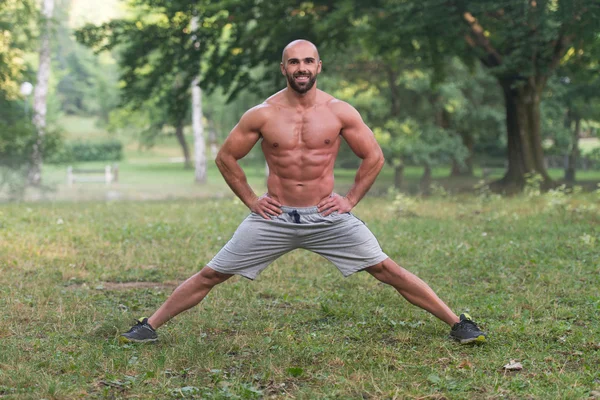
40,93
197,123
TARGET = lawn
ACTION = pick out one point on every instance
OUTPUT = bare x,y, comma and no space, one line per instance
157,173
75,275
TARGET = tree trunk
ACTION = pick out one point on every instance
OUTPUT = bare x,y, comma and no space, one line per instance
573,153
525,153
467,168
398,176
187,164
198,128
212,141
426,179
197,124
40,94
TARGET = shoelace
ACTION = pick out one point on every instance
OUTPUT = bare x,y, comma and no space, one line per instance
469,325
137,326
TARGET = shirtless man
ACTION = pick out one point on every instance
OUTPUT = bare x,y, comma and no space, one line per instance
301,129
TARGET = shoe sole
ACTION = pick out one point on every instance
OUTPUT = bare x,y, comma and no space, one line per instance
478,339
124,340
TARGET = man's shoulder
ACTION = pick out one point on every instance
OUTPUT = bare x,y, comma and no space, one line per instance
259,112
341,109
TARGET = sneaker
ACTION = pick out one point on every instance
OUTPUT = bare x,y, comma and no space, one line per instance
141,332
466,331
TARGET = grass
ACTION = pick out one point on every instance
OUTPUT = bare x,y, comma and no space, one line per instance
158,173
75,275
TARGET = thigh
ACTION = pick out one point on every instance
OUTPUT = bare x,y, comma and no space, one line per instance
348,243
255,244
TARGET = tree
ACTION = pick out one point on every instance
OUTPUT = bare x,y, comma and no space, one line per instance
15,39
197,123
160,62
87,84
40,93
522,43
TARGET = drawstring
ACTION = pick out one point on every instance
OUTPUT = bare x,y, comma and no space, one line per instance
295,215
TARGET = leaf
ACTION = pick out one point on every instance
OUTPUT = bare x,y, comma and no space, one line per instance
513,366
433,378
466,364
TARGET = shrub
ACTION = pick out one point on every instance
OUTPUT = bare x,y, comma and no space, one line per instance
111,150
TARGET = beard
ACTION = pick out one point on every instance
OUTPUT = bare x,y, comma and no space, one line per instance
304,86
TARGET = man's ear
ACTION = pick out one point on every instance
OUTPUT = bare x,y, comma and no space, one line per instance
282,68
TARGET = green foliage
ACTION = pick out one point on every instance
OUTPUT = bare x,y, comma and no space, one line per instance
17,136
80,151
15,40
417,143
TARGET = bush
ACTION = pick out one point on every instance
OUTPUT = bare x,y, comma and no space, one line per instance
111,150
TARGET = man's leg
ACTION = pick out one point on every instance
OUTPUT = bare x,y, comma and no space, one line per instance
187,295
412,289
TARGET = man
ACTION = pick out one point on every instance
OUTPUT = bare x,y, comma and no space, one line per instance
301,129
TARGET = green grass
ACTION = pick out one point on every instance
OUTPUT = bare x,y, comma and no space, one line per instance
75,275
158,173
588,144
82,128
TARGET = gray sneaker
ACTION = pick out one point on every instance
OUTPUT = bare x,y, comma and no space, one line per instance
141,332
466,331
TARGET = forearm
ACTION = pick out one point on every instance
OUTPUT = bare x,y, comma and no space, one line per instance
236,179
365,177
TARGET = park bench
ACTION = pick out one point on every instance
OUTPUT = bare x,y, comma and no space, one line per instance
108,175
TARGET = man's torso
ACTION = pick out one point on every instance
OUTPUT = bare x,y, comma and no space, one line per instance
300,146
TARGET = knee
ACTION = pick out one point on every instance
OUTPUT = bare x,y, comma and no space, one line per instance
208,277
386,271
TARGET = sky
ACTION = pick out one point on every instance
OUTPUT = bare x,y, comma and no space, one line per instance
95,12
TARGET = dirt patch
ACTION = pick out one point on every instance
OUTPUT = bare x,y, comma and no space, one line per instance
138,285
115,286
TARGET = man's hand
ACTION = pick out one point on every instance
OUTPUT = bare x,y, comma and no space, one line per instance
265,206
335,202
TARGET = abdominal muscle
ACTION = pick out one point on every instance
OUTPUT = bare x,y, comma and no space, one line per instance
300,187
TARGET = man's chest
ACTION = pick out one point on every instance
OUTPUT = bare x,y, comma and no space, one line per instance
309,129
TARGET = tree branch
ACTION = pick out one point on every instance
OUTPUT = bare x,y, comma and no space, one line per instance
478,39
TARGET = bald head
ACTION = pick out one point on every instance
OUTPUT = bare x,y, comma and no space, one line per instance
300,64
302,46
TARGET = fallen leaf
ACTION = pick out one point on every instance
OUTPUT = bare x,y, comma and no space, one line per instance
513,366
466,364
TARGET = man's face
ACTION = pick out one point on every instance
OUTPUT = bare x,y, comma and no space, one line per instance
301,65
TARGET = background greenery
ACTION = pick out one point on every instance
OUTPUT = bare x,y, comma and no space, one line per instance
440,86
443,84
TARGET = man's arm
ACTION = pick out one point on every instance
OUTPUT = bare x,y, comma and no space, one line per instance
362,142
239,143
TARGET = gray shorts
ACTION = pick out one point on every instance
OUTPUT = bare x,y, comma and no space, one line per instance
343,239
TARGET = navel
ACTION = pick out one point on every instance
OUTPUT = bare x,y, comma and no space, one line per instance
327,141
275,144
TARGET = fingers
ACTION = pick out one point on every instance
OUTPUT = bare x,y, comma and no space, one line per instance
334,203
267,206
272,206
329,206
262,214
327,202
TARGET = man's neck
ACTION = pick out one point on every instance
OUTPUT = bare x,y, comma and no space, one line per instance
304,100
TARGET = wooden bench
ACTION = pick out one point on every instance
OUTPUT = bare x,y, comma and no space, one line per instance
107,175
